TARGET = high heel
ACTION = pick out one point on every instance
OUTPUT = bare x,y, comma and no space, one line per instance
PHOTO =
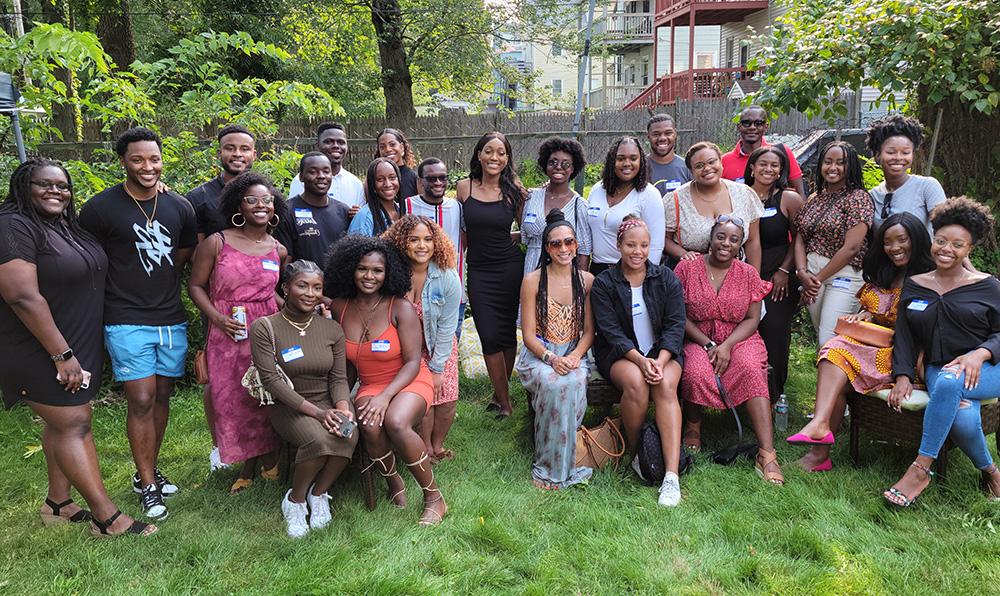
389,472
430,517
100,529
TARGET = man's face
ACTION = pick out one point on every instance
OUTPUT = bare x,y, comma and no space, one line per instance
662,138
237,152
752,126
316,175
333,142
435,180
143,163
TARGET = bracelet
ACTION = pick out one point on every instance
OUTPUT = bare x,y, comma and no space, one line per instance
785,271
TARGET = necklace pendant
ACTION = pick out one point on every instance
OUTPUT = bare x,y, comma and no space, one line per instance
302,333
149,224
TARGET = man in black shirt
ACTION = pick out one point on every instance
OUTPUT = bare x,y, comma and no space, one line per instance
237,152
316,220
149,237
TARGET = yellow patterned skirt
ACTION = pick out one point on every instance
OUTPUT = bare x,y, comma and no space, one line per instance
868,368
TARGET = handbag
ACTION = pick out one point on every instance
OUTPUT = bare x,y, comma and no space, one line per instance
598,446
251,379
867,333
200,367
650,456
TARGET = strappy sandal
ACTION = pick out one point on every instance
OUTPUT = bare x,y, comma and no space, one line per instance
430,517
54,519
896,498
443,455
691,438
389,472
100,529
769,457
270,474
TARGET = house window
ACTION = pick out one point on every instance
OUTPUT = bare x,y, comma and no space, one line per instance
744,54
729,53
557,87
645,73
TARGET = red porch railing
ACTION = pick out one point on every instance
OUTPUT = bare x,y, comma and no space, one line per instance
700,83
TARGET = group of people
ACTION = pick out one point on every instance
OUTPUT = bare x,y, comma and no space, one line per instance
677,278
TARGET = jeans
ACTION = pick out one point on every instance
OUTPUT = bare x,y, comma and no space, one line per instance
945,413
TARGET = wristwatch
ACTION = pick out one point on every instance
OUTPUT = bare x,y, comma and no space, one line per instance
710,346
547,356
63,356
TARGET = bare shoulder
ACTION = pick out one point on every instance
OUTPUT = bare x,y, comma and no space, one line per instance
463,188
791,197
588,280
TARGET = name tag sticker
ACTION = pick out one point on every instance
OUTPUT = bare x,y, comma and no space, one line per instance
739,180
770,212
917,305
529,218
269,265
594,211
841,283
636,309
292,353
381,345
672,184
303,214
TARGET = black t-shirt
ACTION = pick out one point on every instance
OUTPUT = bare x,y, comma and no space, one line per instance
143,284
205,200
407,182
311,230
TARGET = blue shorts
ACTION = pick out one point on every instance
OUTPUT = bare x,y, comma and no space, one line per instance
140,351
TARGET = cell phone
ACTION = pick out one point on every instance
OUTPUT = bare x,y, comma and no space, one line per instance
347,425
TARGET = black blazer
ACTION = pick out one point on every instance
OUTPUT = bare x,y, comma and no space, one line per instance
611,301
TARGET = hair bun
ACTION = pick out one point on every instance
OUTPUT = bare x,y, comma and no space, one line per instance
554,216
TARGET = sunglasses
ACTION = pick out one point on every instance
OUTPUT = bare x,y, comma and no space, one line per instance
887,205
557,244
433,179
723,219
264,200
49,185
561,164
749,123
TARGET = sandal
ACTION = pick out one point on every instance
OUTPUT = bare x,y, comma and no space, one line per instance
896,498
100,529
54,519
444,454
389,472
430,517
691,438
769,457
270,474
240,485
984,483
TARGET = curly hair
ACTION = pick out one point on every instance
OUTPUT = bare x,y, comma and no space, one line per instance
232,197
963,211
570,146
344,256
511,190
893,125
444,250
19,197
409,157
609,178
878,268
135,135
853,175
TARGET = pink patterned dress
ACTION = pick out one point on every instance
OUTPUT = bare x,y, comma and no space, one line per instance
242,428
717,315
450,367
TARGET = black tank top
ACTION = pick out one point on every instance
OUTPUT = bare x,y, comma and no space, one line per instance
487,227
774,226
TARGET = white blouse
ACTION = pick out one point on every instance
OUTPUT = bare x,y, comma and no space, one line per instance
647,204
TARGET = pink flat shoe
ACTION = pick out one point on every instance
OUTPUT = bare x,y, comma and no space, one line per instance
826,466
802,439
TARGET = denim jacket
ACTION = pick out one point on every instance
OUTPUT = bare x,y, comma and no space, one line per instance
611,301
440,299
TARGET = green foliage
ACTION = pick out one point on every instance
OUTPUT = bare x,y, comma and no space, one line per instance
871,172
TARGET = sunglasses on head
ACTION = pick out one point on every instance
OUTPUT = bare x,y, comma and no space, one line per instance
439,178
557,244
749,123
723,219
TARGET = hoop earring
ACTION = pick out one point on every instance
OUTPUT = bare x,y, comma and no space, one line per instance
275,219
233,220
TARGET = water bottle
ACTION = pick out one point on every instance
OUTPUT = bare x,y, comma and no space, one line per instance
781,413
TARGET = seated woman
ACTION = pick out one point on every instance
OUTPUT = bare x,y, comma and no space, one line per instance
724,352
310,350
435,293
901,248
953,314
368,279
558,330
384,199
639,315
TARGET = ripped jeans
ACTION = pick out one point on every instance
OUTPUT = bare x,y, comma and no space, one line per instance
955,409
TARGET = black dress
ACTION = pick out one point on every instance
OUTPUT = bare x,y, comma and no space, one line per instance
776,326
71,273
495,270
407,182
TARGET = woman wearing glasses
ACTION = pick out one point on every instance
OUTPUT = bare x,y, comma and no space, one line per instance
692,209
238,268
725,362
561,160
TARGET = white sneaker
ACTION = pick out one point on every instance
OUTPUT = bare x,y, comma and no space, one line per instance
319,510
215,460
670,490
295,515
637,469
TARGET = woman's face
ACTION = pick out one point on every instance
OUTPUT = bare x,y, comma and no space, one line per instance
493,157
766,169
706,166
896,244
634,247
304,292
627,161
896,156
559,168
561,245
369,275
257,205
834,167
390,148
726,242
420,244
386,182
950,246
50,193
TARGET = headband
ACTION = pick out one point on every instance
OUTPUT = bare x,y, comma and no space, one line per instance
627,225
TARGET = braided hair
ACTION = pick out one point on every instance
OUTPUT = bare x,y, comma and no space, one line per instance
381,220
19,197
556,219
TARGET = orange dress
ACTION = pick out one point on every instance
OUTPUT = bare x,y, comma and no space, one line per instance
378,362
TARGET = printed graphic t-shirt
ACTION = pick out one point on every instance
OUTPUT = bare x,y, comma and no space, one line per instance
143,286
668,177
312,229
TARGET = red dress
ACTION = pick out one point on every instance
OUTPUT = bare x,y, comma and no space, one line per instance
716,315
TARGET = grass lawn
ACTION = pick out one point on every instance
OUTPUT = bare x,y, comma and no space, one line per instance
820,534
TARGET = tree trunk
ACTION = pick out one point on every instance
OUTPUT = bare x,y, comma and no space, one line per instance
114,28
397,84
65,116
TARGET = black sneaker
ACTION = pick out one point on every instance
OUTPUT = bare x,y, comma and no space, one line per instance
152,503
166,487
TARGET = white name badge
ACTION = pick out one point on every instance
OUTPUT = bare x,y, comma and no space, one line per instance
770,212
841,283
636,309
594,211
303,214
739,180
672,184
381,345
917,305
269,265
529,218
292,353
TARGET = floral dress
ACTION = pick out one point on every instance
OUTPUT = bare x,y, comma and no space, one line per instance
450,367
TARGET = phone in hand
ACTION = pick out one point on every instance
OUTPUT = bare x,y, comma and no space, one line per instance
347,425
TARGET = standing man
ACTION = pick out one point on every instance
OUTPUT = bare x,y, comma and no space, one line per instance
149,237
317,221
237,152
750,129
667,170
331,140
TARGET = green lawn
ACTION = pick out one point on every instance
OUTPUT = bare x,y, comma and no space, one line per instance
819,534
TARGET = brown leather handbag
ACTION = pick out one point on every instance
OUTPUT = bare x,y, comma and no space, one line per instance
867,333
201,367
597,447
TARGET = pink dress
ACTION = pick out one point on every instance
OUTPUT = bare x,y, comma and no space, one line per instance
242,428
450,367
716,315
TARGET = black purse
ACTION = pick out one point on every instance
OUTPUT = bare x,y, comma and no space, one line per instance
729,455
650,456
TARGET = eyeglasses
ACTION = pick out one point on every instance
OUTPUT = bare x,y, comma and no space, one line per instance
701,165
560,164
887,205
723,219
749,123
433,179
264,200
49,185
557,244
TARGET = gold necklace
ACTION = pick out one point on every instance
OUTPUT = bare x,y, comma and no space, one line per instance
300,326
366,321
149,218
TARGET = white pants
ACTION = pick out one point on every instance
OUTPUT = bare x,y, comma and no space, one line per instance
837,296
